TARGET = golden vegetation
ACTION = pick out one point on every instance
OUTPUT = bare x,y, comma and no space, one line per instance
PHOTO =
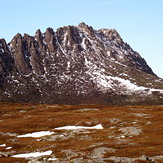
129,131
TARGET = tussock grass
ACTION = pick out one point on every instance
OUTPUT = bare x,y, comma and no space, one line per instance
18,119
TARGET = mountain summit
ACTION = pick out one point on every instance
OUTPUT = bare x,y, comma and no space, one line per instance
74,65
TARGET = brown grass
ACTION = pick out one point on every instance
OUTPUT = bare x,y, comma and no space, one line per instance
26,118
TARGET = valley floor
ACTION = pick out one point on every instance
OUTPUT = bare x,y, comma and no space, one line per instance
81,133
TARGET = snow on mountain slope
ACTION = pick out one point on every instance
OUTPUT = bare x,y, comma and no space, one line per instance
75,64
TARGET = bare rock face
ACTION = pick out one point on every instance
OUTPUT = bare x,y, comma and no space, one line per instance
20,53
6,61
75,64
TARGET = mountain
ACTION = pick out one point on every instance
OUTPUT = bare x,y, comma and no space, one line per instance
76,65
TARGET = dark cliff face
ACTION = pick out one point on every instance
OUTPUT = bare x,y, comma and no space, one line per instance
6,61
75,65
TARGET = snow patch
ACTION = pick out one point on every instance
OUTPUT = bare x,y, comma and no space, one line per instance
52,159
2,50
105,81
99,126
8,147
3,145
83,44
108,53
34,154
37,134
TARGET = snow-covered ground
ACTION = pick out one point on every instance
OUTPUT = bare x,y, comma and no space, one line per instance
105,82
99,126
52,159
36,134
34,154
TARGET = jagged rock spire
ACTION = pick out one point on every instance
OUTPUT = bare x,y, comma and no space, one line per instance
75,64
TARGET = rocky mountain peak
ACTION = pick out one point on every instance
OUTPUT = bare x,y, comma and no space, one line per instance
88,29
85,26
16,40
75,64
49,34
3,46
6,60
38,33
112,34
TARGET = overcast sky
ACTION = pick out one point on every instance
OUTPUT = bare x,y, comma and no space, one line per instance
139,22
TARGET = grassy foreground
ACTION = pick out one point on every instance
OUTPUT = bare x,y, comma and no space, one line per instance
130,134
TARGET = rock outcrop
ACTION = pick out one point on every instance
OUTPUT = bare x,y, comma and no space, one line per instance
74,65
